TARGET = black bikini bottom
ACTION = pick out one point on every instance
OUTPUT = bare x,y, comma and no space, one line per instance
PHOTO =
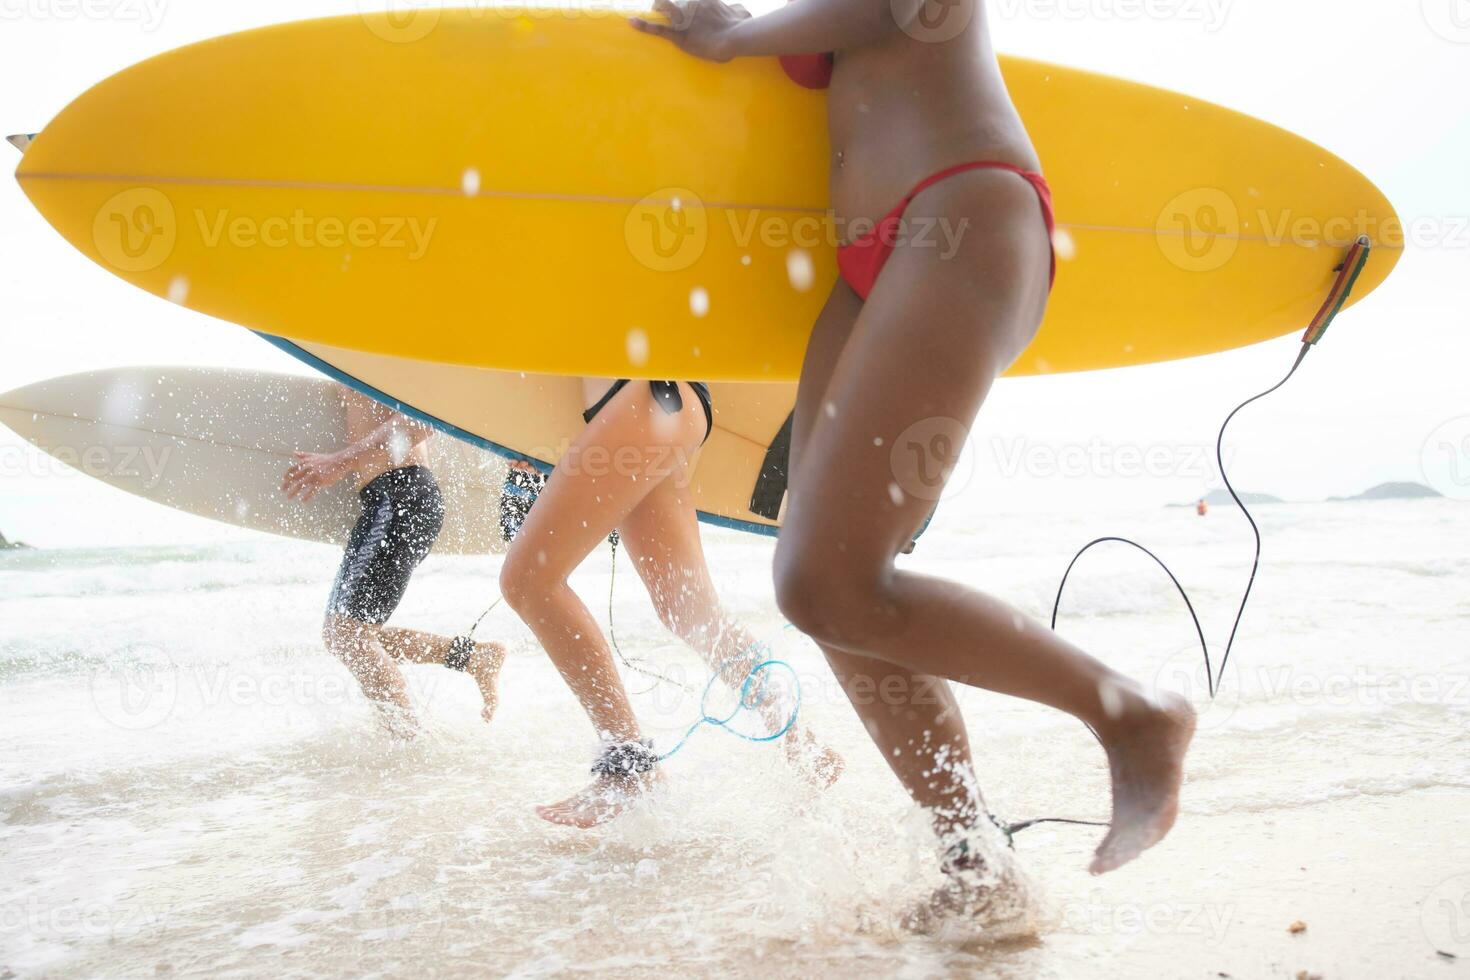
666,393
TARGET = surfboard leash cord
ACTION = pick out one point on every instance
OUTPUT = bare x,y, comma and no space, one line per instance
751,694
1347,277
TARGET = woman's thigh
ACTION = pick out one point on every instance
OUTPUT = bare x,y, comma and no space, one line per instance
920,360
623,455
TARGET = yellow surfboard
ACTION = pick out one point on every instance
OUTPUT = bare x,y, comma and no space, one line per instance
549,191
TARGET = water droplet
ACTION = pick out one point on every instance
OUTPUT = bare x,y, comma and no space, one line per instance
637,347
1065,244
399,448
178,290
745,260
800,270
470,182
699,301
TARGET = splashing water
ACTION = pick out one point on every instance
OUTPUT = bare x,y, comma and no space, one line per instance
191,782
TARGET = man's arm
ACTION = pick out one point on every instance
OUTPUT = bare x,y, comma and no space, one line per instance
389,445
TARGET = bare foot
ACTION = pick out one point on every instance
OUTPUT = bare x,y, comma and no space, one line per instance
818,764
1146,757
983,897
398,721
601,802
484,667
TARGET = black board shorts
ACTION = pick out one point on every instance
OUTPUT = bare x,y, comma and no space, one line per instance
402,515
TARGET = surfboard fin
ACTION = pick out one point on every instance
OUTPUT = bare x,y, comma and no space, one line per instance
20,142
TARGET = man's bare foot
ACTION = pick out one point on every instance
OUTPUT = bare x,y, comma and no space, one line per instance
398,721
1146,758
818,764
484,667
601,802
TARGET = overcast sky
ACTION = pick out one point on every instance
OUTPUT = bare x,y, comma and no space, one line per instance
1383,83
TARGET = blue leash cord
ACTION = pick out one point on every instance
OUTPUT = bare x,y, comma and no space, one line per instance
752,686
745,703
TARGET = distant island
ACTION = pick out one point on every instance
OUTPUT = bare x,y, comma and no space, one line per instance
1219,498
11,545
1384,491
1392,491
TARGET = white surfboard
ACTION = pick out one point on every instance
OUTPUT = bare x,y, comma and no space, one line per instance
216,443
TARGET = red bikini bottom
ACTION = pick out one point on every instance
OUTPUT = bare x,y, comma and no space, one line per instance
862,260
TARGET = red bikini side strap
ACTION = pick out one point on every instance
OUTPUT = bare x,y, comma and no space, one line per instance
962,168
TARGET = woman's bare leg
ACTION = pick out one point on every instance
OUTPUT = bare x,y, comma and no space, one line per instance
921,358
621,457
912,717
662,537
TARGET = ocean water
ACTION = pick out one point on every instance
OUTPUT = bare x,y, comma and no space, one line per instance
190,785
